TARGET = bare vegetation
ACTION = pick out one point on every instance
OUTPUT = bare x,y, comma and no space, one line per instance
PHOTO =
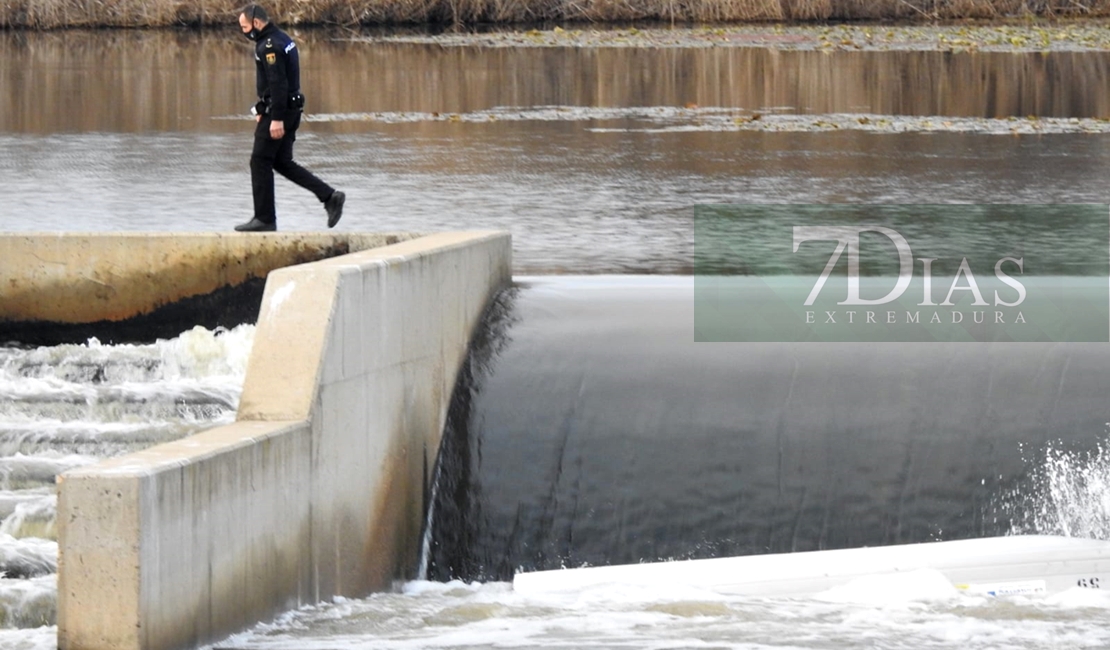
54,14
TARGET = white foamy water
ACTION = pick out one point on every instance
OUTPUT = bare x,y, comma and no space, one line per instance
1069,494
1066,494
99,400
69,406
917,610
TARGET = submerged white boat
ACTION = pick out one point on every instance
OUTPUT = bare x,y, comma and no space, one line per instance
1000,566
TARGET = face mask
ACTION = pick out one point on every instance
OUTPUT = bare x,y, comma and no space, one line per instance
252,35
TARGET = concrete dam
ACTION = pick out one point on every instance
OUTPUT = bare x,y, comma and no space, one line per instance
319,486
409,410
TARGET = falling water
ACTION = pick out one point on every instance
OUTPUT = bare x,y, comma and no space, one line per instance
68,406
1066,492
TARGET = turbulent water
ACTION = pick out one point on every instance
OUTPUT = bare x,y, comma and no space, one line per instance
67,406
917,610
1067,493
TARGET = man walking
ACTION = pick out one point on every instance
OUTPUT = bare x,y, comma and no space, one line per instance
277,116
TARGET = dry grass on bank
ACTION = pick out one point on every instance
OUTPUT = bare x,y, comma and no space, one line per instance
53,14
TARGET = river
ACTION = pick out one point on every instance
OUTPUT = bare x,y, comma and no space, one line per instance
594,158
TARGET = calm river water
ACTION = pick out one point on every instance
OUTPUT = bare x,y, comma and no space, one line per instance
594,159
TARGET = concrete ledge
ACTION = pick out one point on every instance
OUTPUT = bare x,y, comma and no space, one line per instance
318,489
109,588
54,282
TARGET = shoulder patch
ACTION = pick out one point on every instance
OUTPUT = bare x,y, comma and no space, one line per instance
271,58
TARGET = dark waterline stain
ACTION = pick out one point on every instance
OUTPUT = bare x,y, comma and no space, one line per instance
226,307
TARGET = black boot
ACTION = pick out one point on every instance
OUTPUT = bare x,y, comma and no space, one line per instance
334,206
257,225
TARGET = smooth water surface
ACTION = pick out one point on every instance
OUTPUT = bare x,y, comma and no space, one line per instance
593,158
596,431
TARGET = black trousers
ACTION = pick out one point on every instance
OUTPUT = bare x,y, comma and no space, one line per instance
271,156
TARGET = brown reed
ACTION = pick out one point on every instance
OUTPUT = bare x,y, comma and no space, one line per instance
57,14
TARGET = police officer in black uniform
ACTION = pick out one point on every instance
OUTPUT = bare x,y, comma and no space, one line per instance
278,114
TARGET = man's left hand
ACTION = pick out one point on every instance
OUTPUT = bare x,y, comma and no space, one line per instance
277,129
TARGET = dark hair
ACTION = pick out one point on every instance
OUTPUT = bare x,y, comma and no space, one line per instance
253,11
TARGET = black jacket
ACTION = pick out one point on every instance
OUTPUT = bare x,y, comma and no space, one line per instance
278,70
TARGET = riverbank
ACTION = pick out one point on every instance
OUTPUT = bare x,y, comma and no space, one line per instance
63,14
970,36
1003,35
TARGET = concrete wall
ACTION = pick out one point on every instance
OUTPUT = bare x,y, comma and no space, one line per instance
318,488
87,277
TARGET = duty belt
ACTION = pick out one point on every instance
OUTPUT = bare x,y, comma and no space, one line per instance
296,102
